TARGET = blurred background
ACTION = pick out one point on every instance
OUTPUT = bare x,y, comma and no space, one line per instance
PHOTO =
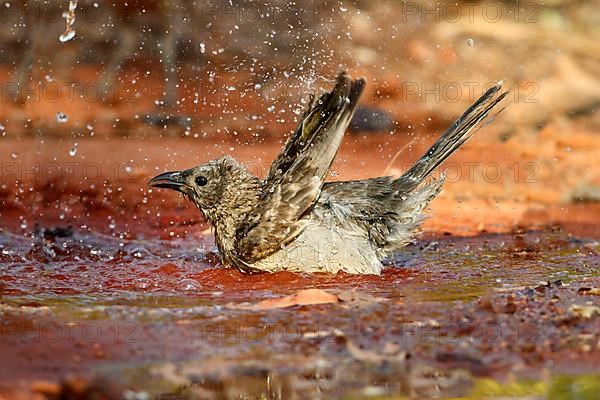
97,99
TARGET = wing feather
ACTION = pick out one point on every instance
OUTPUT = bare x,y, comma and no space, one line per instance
294,181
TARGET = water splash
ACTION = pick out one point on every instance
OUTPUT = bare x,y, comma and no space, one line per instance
69,17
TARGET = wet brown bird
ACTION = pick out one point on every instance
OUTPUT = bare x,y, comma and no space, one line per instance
292,220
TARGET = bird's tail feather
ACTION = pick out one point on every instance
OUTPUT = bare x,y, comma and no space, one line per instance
473,119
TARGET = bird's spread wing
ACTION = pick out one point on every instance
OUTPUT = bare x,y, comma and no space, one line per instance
295,178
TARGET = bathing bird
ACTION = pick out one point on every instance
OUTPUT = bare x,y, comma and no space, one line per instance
292,220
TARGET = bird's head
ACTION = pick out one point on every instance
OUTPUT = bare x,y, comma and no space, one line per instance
217,188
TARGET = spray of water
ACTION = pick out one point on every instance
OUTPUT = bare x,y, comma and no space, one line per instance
69,17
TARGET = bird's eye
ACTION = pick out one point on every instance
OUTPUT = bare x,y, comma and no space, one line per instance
201,180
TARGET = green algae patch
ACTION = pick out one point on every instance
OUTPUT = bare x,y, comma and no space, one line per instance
560,387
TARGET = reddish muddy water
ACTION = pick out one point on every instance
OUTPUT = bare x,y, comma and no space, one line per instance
108,287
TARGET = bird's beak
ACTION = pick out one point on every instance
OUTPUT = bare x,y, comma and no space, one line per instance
169,180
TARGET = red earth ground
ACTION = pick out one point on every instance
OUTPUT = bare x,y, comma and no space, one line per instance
131,291
108,286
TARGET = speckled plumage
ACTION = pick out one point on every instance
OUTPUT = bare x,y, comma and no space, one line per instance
293,220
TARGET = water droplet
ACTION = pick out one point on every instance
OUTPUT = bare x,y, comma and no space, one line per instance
61,117
470,42
202,48
188,285
143,283
66,36
73,152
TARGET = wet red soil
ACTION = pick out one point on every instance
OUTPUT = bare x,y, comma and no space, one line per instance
111,308
103,279
491,186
